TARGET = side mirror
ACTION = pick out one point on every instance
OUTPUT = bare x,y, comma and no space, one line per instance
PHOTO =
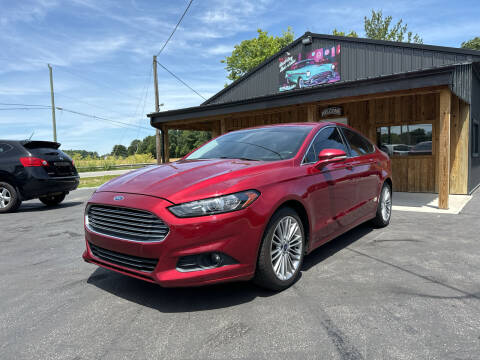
327,156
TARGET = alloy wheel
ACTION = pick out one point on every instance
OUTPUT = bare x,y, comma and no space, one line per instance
287,247
5,197
386,205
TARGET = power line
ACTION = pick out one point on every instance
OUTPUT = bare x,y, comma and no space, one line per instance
175,28
25,108
100,118
183,82
46,106
87,103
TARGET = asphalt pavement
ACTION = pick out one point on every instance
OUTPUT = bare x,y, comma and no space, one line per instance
409,291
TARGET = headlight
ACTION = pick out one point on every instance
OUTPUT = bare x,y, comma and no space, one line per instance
216,205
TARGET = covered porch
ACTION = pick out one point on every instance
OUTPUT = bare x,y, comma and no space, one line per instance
443,170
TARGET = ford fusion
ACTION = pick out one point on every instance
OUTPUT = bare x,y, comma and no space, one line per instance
249,204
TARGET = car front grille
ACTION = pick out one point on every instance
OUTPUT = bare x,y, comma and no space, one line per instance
126,223
129,261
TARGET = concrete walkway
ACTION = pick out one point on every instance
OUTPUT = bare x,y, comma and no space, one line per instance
427,202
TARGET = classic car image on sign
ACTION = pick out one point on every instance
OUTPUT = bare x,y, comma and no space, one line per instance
307,69
247,205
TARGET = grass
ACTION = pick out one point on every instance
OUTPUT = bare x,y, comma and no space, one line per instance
110,162
111,168
95,181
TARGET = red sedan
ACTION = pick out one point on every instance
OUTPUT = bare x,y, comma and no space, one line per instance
246,205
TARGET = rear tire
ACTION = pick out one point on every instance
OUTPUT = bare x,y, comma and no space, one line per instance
384,207
52,200
9,198
281,251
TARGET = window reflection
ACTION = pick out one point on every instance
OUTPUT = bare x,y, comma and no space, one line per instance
404,140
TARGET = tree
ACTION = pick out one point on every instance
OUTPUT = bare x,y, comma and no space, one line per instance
120,150
380,28
250,53
342,33
473,44
134,145
148,146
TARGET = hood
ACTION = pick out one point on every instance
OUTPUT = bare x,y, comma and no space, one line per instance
186,180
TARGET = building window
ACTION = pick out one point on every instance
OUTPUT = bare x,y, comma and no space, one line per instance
401,140
475,138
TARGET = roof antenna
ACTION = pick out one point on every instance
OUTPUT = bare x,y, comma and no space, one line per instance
33,132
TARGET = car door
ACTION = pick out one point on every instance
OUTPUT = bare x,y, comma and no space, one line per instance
331,187
366,171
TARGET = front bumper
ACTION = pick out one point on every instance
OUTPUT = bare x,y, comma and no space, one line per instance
235,234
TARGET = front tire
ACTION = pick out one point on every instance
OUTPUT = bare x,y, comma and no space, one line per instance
52,200
281,252
384,207
9,198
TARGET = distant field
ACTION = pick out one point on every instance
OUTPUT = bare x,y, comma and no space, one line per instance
112,162
95,181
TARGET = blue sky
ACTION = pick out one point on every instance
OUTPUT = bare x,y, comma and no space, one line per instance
101,53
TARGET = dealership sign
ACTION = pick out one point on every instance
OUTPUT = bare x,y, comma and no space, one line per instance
332,110
309,68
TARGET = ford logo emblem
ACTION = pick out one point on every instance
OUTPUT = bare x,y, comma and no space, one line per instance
118,198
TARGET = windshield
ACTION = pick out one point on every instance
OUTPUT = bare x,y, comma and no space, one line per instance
266,144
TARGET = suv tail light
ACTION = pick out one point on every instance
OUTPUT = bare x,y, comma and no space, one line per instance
32,161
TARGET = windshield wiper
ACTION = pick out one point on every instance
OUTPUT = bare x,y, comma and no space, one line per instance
238,158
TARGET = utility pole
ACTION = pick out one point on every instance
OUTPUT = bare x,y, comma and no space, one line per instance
159,145
53,105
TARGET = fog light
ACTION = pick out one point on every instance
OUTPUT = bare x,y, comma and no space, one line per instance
216,259
204,261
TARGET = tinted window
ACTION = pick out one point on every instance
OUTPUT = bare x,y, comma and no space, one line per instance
328,138
358,144
267,144
415,139
4,148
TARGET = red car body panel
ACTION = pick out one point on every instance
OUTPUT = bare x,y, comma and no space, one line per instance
335,197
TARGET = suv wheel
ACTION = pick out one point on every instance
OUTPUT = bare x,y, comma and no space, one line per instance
281,252
52,200
9,198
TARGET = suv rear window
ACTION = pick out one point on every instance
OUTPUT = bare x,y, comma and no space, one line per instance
41,145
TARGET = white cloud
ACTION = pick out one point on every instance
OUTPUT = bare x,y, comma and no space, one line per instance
220,49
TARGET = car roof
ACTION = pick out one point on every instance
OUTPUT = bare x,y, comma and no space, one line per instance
312,125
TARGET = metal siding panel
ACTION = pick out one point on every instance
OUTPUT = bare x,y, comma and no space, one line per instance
427,59
474,166
387,61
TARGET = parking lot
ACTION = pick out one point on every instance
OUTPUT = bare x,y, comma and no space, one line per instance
409,291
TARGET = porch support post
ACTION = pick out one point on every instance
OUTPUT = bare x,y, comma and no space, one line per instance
444,149
223,129
215,128
312,113
165,145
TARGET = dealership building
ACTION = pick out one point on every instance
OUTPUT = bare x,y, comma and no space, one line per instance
419,103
